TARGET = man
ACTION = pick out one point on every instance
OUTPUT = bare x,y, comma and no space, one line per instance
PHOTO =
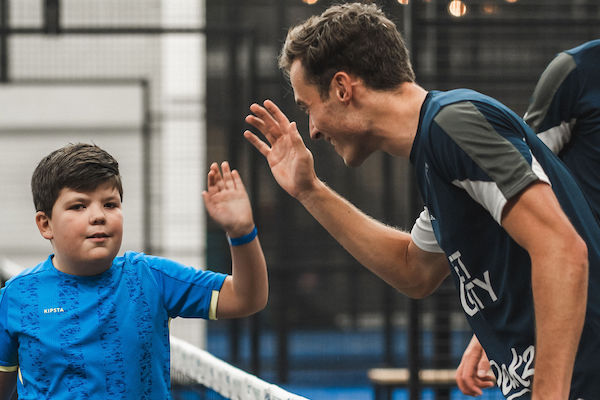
494,198
565,113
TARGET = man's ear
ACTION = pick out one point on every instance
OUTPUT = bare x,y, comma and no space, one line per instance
342,86
43,223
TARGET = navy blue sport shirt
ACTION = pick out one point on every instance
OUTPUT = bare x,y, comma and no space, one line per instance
472,154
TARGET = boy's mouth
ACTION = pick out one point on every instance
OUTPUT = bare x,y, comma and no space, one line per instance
98,236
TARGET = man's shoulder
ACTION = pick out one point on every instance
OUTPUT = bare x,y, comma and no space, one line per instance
445,98
457,102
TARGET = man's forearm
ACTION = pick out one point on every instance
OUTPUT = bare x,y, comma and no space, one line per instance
382,249
560,297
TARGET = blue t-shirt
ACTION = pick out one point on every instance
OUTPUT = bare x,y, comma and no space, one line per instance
99,337
472,155
565,113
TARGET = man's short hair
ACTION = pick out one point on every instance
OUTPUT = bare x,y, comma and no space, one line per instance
81,167
355,38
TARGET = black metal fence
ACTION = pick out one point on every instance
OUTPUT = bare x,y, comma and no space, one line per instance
328,319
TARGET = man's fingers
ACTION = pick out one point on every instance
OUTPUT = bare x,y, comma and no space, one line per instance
261,146
263,121
276,113
467,384
256,122
295,137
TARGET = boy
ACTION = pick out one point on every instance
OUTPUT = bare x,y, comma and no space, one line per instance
87,324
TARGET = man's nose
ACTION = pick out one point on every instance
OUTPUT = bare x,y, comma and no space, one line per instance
314,132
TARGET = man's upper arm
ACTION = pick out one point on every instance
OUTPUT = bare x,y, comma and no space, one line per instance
536,221
425,254
433,266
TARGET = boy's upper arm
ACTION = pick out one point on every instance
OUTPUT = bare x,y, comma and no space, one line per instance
8,345
186,291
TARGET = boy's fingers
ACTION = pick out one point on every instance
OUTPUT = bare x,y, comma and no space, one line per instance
212,182
237,179
227,179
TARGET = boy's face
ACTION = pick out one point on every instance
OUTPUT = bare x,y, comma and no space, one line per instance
86,229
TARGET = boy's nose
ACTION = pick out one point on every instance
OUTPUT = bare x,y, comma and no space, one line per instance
97,215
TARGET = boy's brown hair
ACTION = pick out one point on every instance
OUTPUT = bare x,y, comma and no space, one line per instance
80,166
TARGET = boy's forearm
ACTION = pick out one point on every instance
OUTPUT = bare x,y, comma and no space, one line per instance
249,276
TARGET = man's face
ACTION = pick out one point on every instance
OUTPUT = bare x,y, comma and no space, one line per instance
86,229
330,119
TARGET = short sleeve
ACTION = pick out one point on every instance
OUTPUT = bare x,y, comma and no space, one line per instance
8,344
422,233
551,111
483,150
186,291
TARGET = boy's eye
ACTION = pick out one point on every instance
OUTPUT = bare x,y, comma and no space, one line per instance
76,207
111,205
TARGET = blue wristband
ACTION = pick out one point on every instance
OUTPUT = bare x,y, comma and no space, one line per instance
238,241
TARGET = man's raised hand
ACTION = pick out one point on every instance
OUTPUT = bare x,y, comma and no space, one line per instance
291,162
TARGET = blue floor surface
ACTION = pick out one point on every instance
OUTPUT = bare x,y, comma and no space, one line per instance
366,393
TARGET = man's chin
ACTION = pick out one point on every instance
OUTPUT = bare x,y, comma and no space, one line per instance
353,162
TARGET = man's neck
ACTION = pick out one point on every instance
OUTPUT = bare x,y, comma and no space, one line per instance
396,118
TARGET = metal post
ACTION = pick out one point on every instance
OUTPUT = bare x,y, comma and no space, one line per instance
4,25
414,328
388,292
283,226
255,320
146,167
52,16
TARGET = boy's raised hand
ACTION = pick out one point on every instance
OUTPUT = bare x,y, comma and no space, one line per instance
227,202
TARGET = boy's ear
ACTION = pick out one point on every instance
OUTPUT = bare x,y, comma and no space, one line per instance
43,223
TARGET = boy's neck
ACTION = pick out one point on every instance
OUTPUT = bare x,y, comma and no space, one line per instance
87,269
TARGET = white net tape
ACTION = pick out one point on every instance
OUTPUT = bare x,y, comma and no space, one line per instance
225,379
